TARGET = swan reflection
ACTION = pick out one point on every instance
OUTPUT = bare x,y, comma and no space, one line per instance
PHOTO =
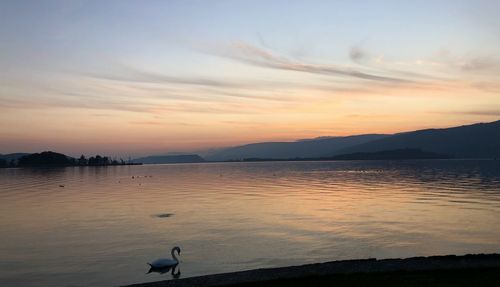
175,271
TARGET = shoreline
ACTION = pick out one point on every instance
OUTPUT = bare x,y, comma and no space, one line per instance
322,271
325,160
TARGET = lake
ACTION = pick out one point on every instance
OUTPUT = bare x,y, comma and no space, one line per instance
99,226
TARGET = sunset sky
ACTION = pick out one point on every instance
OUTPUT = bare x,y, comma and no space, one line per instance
150,77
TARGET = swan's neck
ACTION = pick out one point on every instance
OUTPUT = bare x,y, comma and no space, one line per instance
173,255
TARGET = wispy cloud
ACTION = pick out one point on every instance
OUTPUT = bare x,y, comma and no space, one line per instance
492,87
479,64
356,53
468,63
365,58
160,123
194,88
485,112
247,53
130,74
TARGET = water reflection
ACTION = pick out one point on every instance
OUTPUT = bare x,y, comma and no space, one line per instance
163,215
236,216
175,274
164,265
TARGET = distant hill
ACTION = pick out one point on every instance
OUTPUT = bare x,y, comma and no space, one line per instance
12,156
46,158
397,154
298,149
471,141
185,158
480,140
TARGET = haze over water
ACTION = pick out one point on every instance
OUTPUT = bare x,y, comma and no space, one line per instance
102,227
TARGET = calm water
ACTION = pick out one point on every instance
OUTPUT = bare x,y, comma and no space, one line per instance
102,227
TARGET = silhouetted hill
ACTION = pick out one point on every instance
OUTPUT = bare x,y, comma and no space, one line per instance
298,149
12,156
399,154
391,155
46,158
185,158
471,141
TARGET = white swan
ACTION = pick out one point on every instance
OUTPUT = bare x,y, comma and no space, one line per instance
165,262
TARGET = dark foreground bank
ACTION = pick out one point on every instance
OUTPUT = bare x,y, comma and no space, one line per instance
467,270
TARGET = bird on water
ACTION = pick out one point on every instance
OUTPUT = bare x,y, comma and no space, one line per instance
166,262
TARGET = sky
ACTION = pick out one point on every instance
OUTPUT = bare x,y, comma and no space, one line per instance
151,77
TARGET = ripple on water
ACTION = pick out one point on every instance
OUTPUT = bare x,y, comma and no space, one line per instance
234,216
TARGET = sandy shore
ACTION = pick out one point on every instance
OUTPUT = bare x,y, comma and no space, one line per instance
482,267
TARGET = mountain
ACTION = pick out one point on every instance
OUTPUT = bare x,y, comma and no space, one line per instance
471,141
185,158
297,149
407,153
397,154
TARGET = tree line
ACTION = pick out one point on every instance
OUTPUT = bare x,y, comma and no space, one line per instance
98,161
49,158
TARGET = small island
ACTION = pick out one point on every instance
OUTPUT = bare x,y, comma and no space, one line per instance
52,159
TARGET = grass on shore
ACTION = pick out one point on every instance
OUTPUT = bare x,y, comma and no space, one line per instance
452,278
